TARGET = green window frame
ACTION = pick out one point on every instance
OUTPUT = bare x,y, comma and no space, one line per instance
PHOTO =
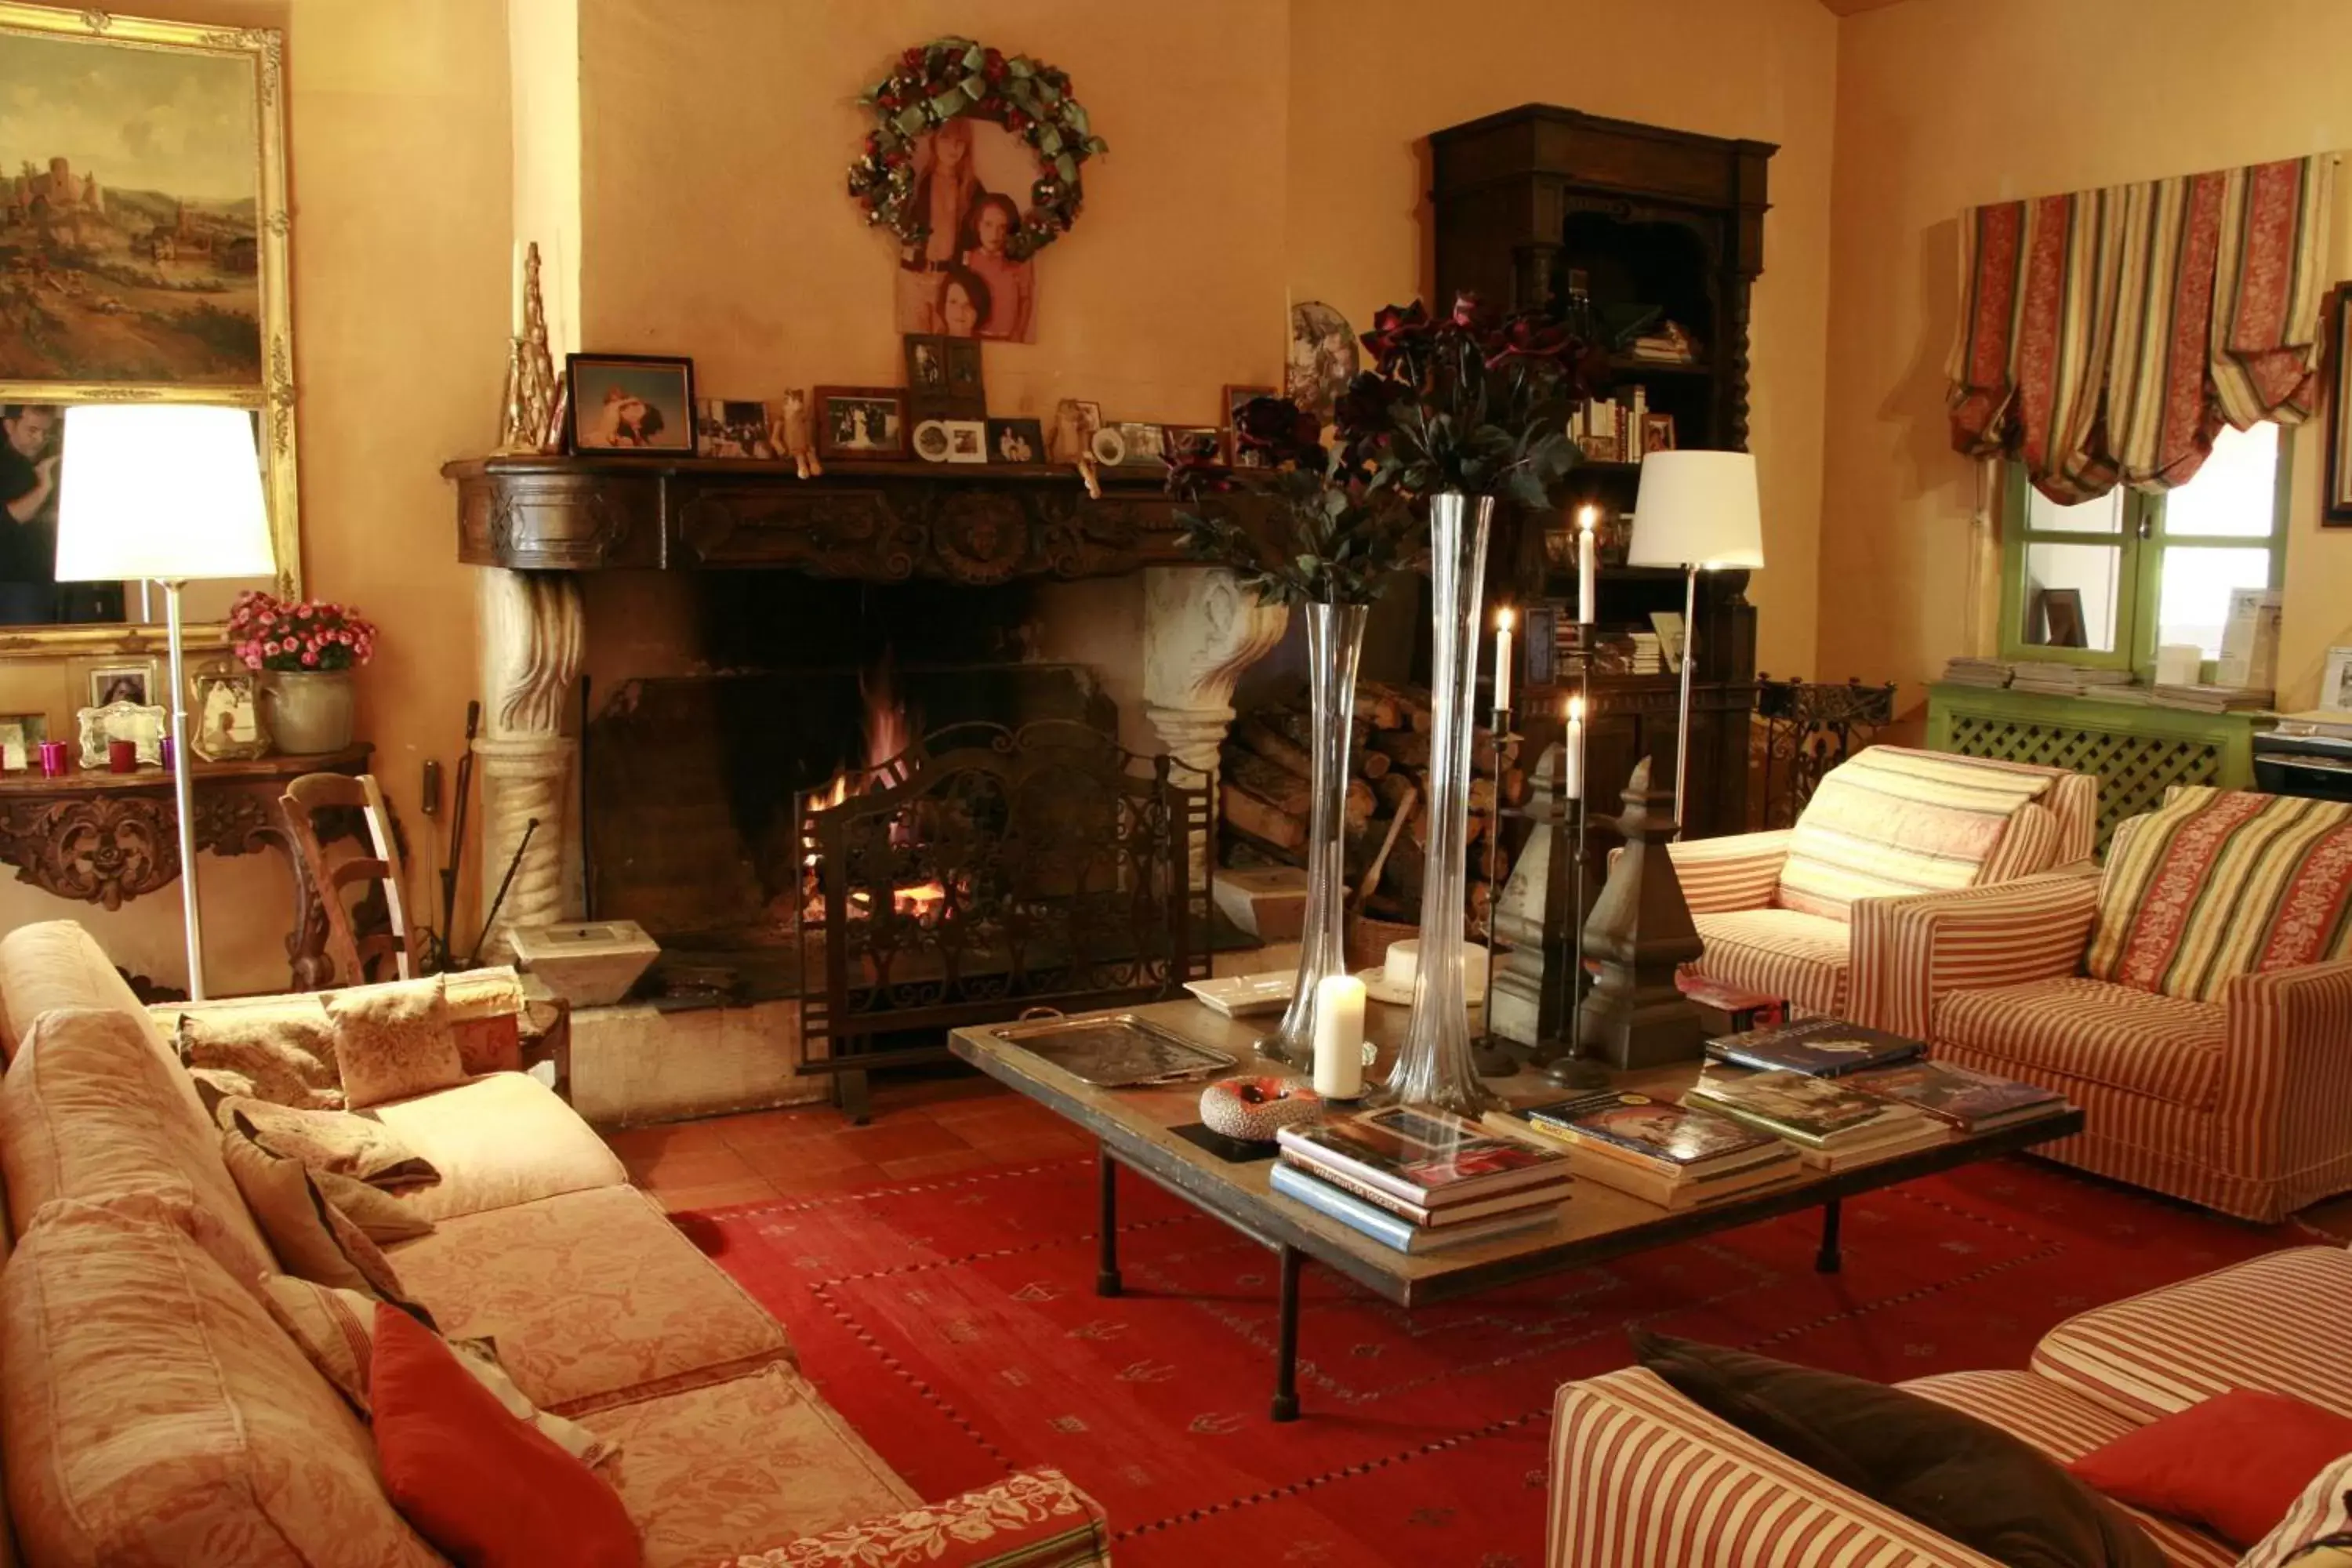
2140,546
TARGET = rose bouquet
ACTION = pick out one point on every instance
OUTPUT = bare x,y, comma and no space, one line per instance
1336,530
269,634
1471,404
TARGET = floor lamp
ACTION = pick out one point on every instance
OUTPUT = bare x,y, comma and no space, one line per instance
1697,510
167,492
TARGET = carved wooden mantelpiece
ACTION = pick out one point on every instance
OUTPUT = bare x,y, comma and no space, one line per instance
877,523
106,838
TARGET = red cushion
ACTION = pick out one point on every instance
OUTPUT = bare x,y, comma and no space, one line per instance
486,1488
2236,1462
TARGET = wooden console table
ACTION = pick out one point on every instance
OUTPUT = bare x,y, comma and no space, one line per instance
107,839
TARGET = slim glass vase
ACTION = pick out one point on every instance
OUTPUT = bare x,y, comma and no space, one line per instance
1335,641
1434,1066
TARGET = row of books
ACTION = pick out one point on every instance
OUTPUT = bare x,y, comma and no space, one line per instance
1420,1180
1611,431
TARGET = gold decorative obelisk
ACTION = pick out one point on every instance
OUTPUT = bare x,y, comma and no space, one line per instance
530,403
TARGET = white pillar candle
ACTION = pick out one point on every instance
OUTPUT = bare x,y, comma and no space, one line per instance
1339,1037
1571,767
1503,660
1585,565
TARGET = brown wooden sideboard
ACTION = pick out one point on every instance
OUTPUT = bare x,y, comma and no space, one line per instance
106,838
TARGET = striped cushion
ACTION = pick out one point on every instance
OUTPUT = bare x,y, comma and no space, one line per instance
1780,952
2276,1324
1893,821
2323,1511
2220,883
2065,1425
2094,1032
2030,845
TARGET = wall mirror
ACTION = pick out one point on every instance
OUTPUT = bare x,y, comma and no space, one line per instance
143,257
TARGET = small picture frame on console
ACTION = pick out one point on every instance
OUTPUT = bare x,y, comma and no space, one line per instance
21,735
224,715
861,422
1016,441
631,405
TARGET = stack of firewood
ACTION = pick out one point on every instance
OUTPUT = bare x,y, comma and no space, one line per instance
1265,800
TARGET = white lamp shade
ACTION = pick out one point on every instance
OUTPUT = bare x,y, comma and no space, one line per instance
161,490
1697,508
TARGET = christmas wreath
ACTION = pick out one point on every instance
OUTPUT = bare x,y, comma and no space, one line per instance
934,83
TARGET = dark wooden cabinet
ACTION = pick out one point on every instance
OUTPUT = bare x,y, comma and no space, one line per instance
1657,225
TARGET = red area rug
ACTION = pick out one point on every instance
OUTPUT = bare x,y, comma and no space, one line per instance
954,1323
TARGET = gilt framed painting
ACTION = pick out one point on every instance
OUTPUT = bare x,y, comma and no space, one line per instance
144,229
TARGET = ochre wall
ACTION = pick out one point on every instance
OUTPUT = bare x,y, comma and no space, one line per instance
1371,79
1944,104
397,126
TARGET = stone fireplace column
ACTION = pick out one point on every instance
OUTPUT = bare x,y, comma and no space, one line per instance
533,630
1201,629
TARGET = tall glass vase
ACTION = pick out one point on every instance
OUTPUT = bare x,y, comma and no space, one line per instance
1335,641
1434,1066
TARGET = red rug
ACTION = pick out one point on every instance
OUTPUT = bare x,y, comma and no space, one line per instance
954,1323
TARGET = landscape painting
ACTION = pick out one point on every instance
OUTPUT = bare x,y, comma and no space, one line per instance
131,181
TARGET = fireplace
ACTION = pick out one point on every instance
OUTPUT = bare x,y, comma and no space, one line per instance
921,664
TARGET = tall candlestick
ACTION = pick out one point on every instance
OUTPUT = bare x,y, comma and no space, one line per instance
1571,770
1584,565
1339,1037
1503,660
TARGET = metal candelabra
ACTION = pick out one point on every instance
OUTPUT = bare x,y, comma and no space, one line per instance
1492,1055
1569,1069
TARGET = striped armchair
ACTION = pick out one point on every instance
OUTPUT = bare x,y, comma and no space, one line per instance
2195,1000
1779,911
1642,1477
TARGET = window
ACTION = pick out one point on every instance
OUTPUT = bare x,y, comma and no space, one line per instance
2110,581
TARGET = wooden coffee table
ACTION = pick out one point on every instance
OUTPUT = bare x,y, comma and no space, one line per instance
1132,1128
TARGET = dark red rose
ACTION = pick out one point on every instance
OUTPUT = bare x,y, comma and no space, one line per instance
890,100
1531,338
1396,328
1465,308
912,59
897,160
1364,406
1016,120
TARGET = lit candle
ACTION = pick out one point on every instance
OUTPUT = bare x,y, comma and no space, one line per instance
1339,1037
1503,660
1571,766
1584,565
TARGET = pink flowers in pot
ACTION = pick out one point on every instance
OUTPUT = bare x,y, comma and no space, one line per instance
310,637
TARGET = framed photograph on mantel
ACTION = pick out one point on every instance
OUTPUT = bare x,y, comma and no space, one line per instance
2338,510
147,240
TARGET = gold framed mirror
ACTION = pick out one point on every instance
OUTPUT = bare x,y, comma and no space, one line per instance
143,257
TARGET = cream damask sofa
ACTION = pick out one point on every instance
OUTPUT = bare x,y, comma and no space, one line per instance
153,1412
1782,913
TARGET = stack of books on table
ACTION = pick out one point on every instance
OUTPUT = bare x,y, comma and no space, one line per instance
1649,653
1832,1124
1420,1180
1821,1048
1977,671
2059,680
1971,1101
1676,1156
2213,698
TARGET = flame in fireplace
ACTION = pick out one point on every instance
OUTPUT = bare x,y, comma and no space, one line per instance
888,732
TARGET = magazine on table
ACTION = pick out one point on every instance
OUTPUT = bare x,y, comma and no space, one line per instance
1450,1214
1676,1138
1825,1047
1795,1105
1393,1230
1424,1156
1974,1101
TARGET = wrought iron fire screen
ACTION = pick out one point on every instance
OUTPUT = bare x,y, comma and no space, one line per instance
986,871
1808,728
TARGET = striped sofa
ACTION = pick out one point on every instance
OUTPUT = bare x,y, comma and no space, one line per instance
1780,911
2195,999
1642,1477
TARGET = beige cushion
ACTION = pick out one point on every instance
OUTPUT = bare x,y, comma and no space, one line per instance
592,1297
153,1414
343,1142
755,1462
392,1042
382,1217
499,1140
483,1005
311,1238
288,1056
336,1329
55,964
92,1111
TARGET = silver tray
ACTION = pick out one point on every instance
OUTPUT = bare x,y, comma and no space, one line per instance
1120,1051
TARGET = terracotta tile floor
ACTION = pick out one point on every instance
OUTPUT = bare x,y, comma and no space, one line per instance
931,1126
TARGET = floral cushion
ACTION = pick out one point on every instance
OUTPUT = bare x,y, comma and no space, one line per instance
2219,883
342,1142
593,1298
392,1042
287,1057
311,1238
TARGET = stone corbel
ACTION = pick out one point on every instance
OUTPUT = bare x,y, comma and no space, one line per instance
533,632
1200,630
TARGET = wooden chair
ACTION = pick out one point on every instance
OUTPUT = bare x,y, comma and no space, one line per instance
353,953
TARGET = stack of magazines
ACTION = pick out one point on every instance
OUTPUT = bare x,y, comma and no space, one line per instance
1420,1180
1964,671
1831,1124
1676,1156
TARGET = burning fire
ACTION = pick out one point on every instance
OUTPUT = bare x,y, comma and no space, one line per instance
889,733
